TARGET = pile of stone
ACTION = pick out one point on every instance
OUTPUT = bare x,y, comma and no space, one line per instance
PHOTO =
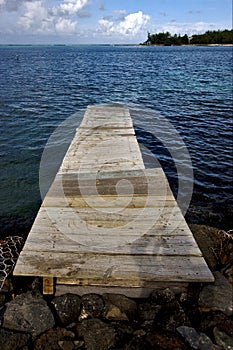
199,319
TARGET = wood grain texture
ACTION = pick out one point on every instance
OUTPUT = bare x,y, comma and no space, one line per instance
107,222
115,268
132,292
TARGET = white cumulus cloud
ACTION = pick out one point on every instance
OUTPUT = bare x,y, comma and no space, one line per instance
37,18
106,26
72,7
131,24
65,26
12,5
188,28
120,14
33,16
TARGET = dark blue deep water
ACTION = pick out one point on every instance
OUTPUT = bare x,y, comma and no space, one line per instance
189,86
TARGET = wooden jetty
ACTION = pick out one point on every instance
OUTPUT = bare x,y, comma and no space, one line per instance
107,224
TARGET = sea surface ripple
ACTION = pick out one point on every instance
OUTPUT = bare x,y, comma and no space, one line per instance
191,87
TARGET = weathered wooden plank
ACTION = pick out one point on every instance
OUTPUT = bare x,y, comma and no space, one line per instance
111,129
109,201
82,282
95,168
111,214
141,245
71,184
70,221
117,174
105,267
141,175
107,130
142,191
47,218
122,190
133,292
107,222
97,143
157,230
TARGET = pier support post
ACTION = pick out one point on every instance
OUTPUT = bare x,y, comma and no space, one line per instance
48,285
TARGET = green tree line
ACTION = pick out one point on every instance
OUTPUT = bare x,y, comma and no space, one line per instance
213,37
220,37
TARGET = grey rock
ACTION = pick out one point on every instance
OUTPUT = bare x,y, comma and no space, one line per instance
67,307
199,341
148,325
37,284
13,340
114,313
78,344
163,340
183,297
208,321
29,313
2,309
228,273
66,345
97,334
172,316
92,306
136,344
7,286
50,339
2,299
139,333
217,296
190,307
119,307
222,339
124,332
148,311
163,296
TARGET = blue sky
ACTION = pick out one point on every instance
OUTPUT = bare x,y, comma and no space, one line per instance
107,21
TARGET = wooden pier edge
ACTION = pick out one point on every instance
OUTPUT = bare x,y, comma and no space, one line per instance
88,237
131,292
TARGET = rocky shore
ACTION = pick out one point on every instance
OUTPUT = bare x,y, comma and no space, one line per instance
201,318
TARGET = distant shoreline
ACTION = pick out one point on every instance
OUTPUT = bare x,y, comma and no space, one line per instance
111,45
190,45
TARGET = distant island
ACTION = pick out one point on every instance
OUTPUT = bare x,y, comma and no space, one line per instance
215,37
